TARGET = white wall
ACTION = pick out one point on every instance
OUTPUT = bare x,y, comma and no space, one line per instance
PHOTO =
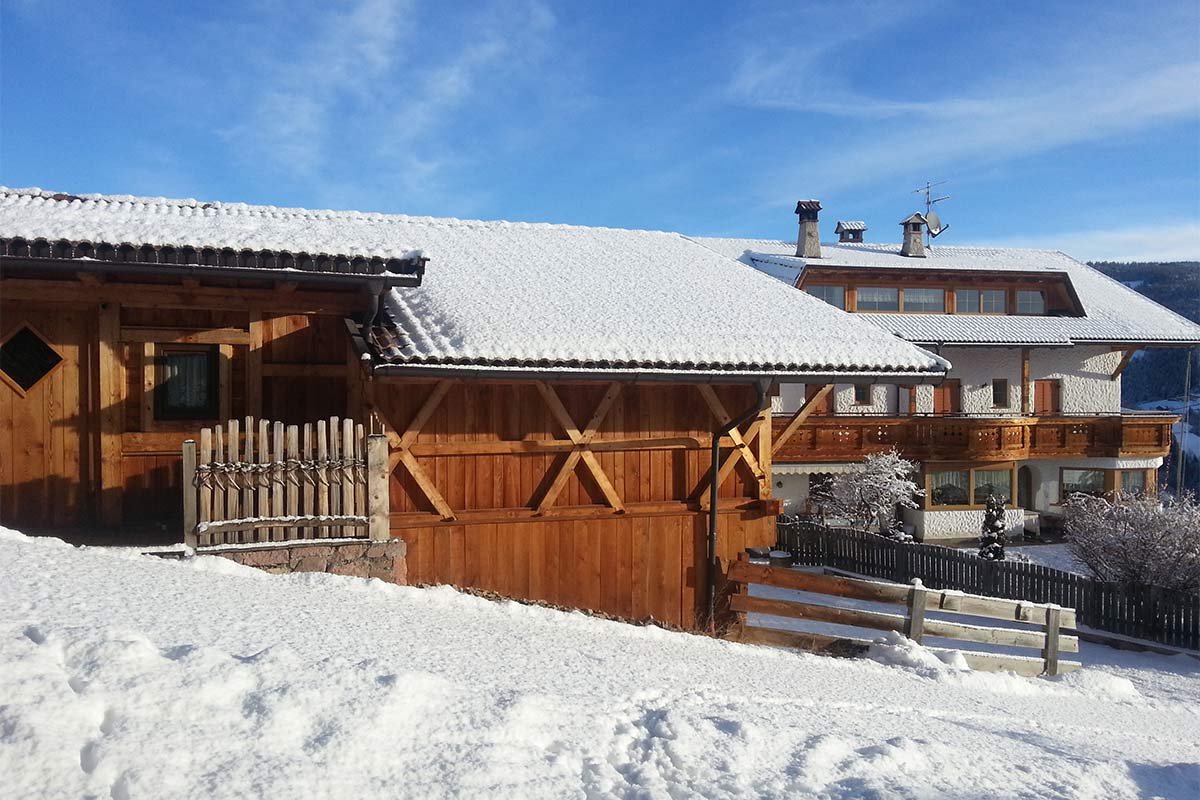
1085,373
977,367
883,399
928,525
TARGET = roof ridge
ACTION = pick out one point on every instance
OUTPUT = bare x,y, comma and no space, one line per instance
305,213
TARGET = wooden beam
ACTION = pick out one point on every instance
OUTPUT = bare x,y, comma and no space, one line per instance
581,440
423,480
185,335
112,395
400,444
1125,359
727,466
149,382
718,410
150,295
803,413
224,382
254,360
543,446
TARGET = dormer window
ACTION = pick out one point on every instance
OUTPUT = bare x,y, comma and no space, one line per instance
877,298
834,295
1031,302
925,300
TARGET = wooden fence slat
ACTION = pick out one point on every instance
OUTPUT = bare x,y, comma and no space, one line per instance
348,471
278,477
189,493
360,471
335,473
308,478
293,478
234,495
322,475
219,477
248,477
206,492
260,478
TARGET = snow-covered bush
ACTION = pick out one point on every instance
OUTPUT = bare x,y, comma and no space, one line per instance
869,495
1137,541
992,537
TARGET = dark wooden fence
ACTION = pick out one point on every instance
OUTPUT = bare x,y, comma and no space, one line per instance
1158,615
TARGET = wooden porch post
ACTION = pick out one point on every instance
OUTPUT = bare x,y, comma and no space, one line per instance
378,478
112,393
188,486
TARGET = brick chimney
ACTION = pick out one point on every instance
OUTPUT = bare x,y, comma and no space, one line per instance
850,230
808,245
914,238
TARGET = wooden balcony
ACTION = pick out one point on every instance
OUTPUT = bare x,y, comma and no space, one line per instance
963,438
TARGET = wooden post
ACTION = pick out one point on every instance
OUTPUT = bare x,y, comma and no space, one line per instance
377,487
322,474
112,413
292,476
278,478
206,492
262,479
914,624
1026,406
189,493
218,479
348,468
254,365
246,479
1051,651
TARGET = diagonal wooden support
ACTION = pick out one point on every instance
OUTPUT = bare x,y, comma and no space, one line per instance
803,413
400,444
718,410
729,464
581,440
1125,359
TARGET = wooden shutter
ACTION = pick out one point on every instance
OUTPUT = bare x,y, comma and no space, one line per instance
947,398
1047,397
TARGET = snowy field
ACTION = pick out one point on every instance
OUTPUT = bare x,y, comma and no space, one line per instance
129,676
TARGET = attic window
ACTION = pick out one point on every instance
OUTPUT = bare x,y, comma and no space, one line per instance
26,358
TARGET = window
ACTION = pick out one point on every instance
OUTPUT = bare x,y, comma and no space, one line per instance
966,301
950,487
874,298
187,385
834,295
992,482
862,394
1081,481
993,301
26,358
925,300
1031,302
1133,481
999,392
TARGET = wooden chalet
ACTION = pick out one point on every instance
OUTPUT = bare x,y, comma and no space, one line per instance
551,394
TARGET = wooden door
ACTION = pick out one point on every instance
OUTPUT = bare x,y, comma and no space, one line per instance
947,398
825,407
47,460
1047,397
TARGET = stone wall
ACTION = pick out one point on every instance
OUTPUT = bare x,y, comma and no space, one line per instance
362,559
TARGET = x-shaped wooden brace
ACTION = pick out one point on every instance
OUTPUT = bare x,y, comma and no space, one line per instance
741,451
400,444
581,440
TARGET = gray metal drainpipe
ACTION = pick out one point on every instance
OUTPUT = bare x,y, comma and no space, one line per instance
760,401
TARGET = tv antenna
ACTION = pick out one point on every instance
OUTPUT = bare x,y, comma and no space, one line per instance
933,222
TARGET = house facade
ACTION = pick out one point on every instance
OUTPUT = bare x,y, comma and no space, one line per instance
557,399
1031,407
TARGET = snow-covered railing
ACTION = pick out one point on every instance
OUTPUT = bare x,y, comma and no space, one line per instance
285,483
1030,625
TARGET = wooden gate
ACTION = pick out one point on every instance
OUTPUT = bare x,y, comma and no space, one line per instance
269,482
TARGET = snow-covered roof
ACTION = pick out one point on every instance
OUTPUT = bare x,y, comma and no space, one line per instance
850,225
1112,311
525,295
125,219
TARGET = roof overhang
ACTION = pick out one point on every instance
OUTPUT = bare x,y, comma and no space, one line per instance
490,372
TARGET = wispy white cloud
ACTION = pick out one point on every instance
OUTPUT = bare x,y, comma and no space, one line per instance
1168,241
1076,93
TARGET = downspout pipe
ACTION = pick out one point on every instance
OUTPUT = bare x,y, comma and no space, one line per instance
760,402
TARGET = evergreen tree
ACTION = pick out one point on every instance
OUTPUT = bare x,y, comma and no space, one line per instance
993,537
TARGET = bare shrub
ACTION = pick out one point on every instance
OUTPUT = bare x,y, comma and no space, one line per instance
1137,541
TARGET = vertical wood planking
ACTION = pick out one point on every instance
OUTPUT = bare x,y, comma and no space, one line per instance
335,472
308,487
348,471
148,385
234,492
262,478
278,477
218,479
248,478
293,478
322,475
224,383
205,495
111,374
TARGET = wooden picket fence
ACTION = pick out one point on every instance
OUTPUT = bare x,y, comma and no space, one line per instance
1038,625
1151,613
250,483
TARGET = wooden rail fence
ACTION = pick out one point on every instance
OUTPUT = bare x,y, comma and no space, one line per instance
1151,613
1041,629
268,482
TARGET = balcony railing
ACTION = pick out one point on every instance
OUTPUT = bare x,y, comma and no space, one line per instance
969,438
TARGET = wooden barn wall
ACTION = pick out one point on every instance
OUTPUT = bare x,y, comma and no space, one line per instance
646,561
47,438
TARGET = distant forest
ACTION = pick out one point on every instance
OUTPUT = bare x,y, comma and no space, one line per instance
1159,374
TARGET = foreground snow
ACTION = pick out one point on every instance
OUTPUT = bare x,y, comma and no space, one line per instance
131,676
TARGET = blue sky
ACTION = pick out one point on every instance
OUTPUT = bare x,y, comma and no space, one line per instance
1066,125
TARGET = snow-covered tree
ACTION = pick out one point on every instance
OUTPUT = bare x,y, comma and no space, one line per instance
869,495
1137,541
992,537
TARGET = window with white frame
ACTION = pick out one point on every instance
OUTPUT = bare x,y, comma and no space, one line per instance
1031,302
